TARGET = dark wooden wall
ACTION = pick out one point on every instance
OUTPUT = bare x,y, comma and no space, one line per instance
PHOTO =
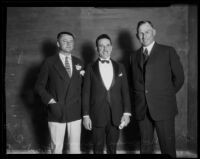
31,37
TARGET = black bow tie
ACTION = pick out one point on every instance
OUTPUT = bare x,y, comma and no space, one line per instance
104,61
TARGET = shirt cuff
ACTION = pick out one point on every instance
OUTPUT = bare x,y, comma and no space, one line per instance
85,116
129,114
51,101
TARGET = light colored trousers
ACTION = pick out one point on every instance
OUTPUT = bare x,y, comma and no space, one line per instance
57,132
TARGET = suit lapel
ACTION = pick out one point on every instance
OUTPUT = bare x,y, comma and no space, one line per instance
140,59
75,71
115,72
153,51
61,71
60,68
97,71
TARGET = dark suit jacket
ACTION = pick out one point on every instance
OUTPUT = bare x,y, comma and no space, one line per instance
96,97
164,77
54,82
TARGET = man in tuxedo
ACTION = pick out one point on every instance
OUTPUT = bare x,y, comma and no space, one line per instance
59,86
106,100
157,75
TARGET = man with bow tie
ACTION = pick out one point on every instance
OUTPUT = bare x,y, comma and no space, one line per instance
157,75
106,100
59,85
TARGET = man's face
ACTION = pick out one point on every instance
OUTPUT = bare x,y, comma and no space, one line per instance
146,34
104,48
66,43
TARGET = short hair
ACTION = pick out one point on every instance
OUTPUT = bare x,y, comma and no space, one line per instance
102,36
64,32
143,22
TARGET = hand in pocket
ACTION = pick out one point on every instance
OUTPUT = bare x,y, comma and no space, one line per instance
55,110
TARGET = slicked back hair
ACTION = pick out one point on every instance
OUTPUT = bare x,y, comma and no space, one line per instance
103,36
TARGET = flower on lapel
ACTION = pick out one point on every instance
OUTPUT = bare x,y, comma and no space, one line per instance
82,72
120,75
78,67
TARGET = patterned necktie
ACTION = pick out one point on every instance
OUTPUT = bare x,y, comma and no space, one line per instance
67,66
145,53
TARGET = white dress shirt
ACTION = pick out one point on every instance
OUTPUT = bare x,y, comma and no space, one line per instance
149,48
106,71
62,57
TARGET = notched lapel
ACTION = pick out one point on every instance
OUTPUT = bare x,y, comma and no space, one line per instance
153,52
61,69
75,72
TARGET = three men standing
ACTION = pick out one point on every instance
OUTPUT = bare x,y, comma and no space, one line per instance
157,75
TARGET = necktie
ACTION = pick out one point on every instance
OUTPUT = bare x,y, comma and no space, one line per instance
104,61
67,66
145,53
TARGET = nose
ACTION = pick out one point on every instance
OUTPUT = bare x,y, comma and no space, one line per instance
143,36
104,48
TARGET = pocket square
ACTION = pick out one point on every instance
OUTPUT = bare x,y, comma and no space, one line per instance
120,75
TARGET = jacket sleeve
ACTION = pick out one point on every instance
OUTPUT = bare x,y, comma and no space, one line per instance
125,91
40,86
177,70
86,91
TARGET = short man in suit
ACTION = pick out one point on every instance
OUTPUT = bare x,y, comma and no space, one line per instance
106,100
157,75
59,85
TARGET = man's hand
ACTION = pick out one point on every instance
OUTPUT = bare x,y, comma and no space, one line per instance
125,119
52,101
87,122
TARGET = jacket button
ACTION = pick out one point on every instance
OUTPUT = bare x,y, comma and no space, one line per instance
146,91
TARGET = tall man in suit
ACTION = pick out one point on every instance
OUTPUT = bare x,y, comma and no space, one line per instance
157,75
59,85
106,100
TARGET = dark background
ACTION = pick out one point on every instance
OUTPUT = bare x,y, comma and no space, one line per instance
31,37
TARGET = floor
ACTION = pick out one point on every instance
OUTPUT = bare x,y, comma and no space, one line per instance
180,154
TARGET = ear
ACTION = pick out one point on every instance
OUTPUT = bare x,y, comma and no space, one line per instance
97,49
58,44
137,35
154,32
111,48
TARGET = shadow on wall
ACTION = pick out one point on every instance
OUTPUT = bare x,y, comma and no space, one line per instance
88,52
32,102
130,134
88,55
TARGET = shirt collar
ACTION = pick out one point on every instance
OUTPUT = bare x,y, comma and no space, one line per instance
149,47
104,59
64,55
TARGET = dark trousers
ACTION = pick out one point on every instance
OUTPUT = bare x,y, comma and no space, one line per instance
165,130
111,133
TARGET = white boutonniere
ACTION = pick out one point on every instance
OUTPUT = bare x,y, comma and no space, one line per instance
78,67
82,72
120,75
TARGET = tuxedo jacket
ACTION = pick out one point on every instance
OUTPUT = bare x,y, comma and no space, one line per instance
54,82
96,99
156,84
